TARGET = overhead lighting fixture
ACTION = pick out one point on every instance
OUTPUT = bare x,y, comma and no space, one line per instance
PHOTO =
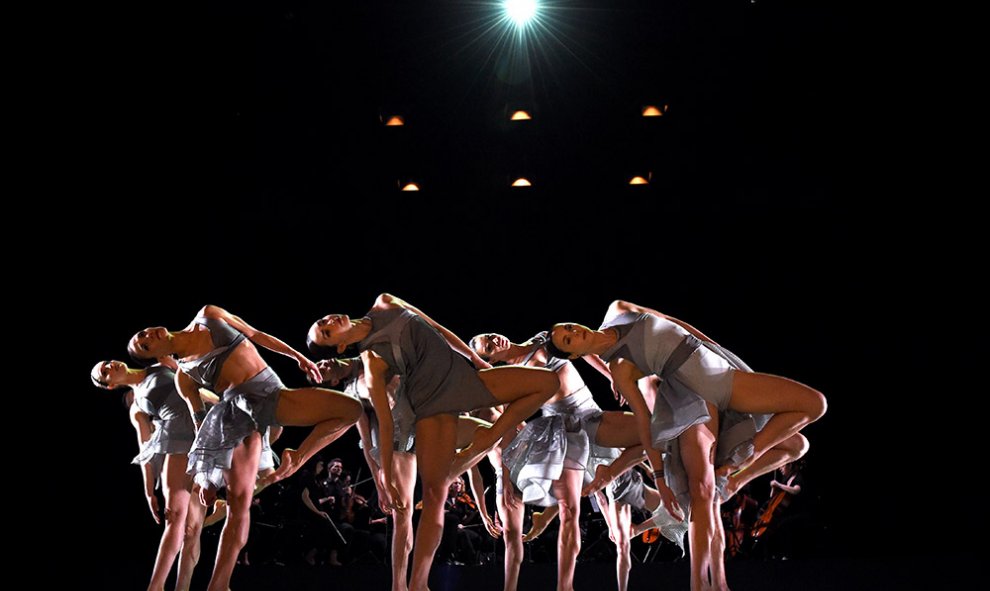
520,116
653,111
410,187
522,182
638,180
395,121
520,11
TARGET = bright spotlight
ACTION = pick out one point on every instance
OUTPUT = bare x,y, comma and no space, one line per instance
520,11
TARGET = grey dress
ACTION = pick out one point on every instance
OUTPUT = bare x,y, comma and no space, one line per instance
693,372
564,437
243,409
174,432
434,379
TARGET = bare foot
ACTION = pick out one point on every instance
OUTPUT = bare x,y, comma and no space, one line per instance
540,523
470,455
725,483
290,463
603,477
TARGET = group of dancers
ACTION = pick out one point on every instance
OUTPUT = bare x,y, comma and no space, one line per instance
206,407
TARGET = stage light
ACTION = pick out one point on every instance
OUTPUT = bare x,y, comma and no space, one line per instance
522,182
520,11
638,180
395,121
653,111
520,116
410,187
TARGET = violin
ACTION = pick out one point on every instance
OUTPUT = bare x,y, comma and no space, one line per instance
766,515
467,500
651,535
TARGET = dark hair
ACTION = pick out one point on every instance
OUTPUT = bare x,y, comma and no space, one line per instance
335,460
470,345
553,350
140,361
330,352
98,383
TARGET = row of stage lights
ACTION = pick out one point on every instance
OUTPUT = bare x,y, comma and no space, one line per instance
520,115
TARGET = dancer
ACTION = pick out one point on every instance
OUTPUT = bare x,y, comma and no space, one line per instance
165,435
217,351
349,375
637,341
396,338
554,455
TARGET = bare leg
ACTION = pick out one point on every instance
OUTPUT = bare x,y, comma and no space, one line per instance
622,518
697,445
189,557
435,438
240,489
512,523
789,450
617,429
176,485
794,404
330,413
718,553
567,490
525,389
404,472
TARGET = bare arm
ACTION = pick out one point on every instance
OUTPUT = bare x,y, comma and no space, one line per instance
374,376
189,390
452,339
263,339
621,306
625,375
143,427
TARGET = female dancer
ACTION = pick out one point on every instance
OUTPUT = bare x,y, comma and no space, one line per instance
165,435
396,338
637,341
349,373
553,455
217,351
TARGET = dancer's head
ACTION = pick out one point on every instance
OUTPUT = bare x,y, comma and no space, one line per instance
109,374
335,371
326,336
569,340
149,344
488,344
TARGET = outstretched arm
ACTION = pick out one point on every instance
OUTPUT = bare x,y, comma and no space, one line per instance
622,306
143,427
389,300
263,339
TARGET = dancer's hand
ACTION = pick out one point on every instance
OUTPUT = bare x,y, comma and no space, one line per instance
493,526
207,495
310,369
394,497
153,505
669,500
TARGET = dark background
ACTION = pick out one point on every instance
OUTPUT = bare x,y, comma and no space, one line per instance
237,157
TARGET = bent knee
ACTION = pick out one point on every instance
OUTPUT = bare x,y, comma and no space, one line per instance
817,406
797,445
